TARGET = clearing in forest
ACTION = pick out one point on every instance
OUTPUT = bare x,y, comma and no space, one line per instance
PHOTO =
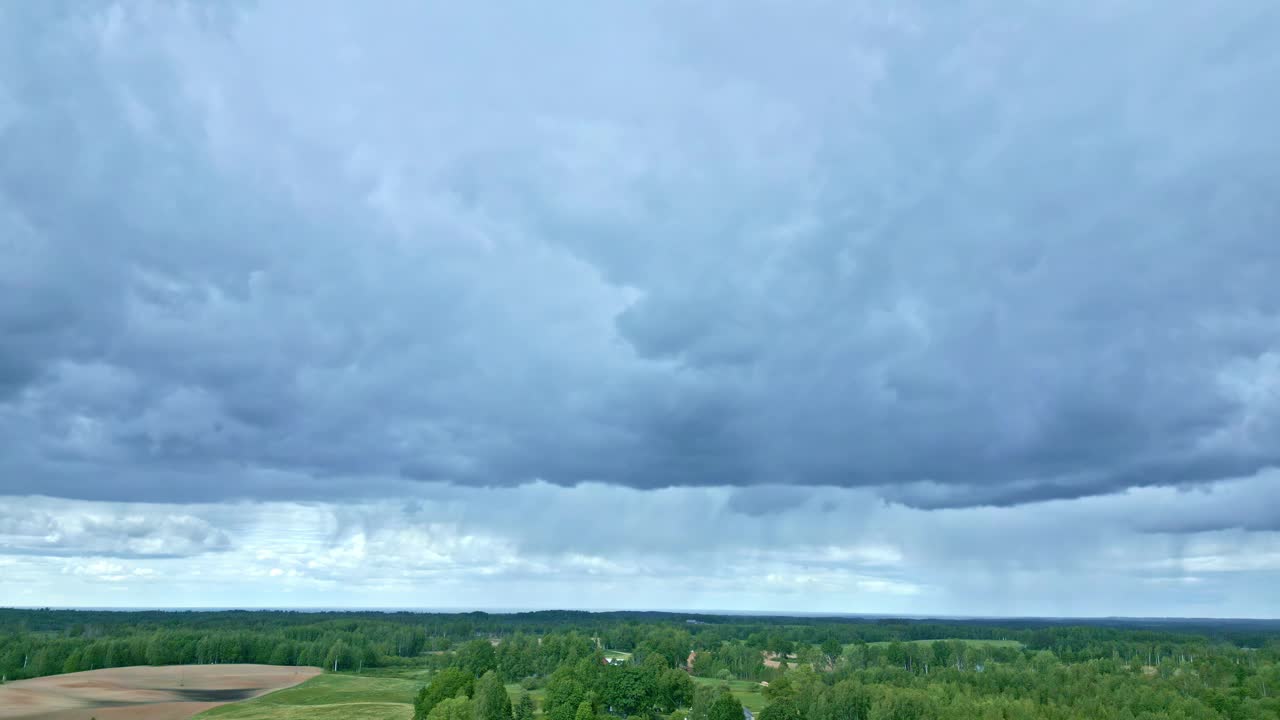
748,692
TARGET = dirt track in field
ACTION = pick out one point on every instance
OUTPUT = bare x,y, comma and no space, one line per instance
173,692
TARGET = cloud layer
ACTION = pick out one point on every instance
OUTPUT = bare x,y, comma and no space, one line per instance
837,306
975,257
606,547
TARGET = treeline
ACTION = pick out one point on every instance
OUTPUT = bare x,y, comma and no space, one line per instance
35,643
1226,684
624,630
1192,678
34,654
839,669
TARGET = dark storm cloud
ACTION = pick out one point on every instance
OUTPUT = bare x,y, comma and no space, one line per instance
969,257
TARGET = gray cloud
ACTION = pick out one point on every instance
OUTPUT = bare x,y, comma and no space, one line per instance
1248,505
37,526
604,546
960,257
767,500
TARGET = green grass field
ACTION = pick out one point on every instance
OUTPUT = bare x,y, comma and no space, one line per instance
374,694
746,691
618,655
383,695
514,690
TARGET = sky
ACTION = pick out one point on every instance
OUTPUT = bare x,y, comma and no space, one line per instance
962,308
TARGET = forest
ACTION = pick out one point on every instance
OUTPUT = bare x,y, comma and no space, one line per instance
584,666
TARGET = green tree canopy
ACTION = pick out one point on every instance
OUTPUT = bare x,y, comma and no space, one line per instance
490,700
725,707
524,709
848,701
458,708
674,690
564,693
832,648
445,684
786,708
477,657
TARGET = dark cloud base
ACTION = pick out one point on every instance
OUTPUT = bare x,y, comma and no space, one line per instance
1002,260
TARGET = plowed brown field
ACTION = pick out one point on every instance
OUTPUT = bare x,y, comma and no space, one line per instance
172,692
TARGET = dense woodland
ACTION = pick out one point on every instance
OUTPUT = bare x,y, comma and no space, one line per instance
814,668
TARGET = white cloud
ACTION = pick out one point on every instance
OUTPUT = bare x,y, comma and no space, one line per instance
44,526
534,545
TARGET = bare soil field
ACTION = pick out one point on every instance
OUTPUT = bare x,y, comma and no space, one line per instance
173,692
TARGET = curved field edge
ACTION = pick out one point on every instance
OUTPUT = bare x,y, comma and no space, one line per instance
328,696
340,711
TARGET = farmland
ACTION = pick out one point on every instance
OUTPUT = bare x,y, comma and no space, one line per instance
143,693
383,693
332,695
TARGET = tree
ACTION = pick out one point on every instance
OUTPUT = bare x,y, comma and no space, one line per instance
781,645
490,700
282,654
702,663
516,656
524,707
671,644
703,697
896,653
725,707
477,657
445,684
674,690
779,688
458,708
741,660
339,656
782,709
564,693
905,705
849,701
831,649
941,653
584,711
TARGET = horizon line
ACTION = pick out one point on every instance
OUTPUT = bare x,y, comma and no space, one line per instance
447,610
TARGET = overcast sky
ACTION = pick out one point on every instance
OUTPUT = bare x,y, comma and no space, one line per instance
893,307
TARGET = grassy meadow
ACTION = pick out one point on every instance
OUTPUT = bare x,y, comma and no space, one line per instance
748,692
385,695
